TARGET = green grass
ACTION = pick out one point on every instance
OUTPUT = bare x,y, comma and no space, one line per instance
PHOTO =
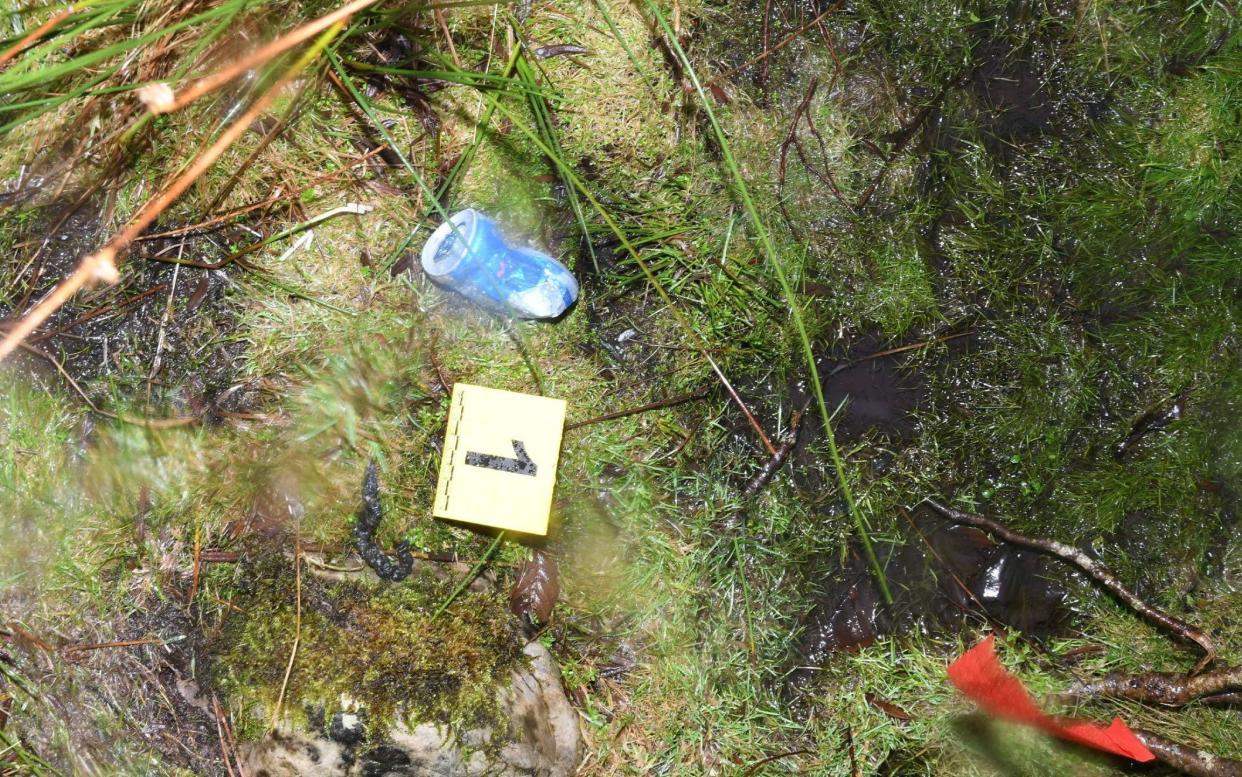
1096,261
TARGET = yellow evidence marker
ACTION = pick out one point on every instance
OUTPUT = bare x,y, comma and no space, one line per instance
499,462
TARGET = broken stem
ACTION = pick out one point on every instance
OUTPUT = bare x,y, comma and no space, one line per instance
1095,570
661,404
1169,688
1189,760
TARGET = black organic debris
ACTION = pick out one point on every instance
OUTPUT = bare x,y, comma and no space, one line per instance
388,568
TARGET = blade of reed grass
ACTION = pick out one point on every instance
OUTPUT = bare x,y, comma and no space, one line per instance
765,240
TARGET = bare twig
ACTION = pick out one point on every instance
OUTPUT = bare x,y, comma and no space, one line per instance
663,403
1169,688
1189,760
1096,571
773,464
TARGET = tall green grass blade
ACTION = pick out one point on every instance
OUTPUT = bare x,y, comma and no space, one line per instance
795,311
621,236
547,129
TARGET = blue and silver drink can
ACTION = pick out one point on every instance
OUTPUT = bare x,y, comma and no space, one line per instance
469,255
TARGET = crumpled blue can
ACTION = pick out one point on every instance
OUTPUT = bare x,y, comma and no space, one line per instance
469,255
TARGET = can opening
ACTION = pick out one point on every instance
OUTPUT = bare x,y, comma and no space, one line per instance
449,244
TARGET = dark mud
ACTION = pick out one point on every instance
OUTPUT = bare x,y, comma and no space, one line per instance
146,693
165,333
943,577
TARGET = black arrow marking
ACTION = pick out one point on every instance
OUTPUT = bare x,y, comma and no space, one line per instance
522,465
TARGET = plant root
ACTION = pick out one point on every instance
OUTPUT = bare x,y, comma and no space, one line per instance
1168,688
1096,571
1188,759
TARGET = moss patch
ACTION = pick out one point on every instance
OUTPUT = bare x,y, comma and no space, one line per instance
365,647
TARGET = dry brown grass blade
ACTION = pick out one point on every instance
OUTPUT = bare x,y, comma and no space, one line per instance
101,265
258,57
36,33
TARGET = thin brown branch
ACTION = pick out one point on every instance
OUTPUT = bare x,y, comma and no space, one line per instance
448,38
99,311
903,137
1188,760
1169,688
663,403
1093,569
69,650
203,226
229,755
290,114
767,52
777,460
899,349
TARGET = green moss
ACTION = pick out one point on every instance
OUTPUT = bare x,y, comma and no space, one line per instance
614,121
367,647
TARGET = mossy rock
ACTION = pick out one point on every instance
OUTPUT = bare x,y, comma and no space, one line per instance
380,683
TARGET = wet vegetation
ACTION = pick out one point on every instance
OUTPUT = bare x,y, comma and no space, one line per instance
984,253
366,648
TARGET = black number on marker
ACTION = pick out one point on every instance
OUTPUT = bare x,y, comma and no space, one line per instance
520,465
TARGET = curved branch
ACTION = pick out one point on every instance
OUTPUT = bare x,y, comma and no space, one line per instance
1096,571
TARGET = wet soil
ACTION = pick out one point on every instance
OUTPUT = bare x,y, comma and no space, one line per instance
942,577
165,332
146,689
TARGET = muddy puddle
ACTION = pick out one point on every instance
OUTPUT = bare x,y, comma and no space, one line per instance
942,577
